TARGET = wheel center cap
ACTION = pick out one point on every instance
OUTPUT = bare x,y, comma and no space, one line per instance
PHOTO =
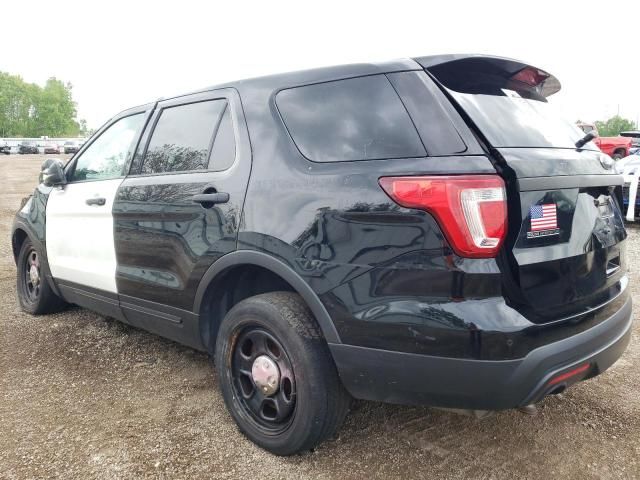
34,275
265,374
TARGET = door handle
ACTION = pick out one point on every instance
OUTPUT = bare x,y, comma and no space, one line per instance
207,200
99,201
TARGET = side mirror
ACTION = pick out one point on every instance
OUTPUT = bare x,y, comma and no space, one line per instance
52,172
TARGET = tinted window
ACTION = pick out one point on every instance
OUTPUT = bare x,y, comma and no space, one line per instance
510,120
106,157
182,137
424,103
354,119
224,147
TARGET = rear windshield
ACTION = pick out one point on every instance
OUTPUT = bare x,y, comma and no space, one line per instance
510,114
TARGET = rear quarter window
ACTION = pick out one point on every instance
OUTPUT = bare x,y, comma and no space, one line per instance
345,120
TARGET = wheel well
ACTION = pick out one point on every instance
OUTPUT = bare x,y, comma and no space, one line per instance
17,239
229,288
619,150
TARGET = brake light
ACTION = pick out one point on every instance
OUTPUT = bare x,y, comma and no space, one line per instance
470,209
530,76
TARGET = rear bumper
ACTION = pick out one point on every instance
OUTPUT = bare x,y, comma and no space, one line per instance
409,378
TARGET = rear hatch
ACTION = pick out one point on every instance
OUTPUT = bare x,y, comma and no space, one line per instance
564,253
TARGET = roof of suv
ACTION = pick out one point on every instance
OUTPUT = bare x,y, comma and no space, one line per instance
315,75
338,72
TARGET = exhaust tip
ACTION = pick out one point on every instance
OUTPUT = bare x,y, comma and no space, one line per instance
558,390
530,410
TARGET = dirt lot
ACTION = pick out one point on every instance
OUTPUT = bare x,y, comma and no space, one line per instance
84,397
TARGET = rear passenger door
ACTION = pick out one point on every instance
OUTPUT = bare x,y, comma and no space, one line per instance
179,208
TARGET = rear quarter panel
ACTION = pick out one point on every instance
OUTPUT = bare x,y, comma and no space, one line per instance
385,274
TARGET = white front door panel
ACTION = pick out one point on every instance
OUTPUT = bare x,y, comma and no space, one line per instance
79,236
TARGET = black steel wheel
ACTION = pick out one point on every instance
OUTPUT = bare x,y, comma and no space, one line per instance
276,374
263,379
34,292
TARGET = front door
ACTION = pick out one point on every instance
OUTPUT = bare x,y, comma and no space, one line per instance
79,221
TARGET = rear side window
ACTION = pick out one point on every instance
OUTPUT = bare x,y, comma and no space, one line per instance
183,136
354,119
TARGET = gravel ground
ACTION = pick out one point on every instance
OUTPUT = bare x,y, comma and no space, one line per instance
82,396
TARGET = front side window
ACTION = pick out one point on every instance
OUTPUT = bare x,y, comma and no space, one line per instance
354,119
107,156
183,136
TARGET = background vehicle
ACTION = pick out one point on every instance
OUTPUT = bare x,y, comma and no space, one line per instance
5,148
635,140
615,147
71,147
51,148
27,148
386,231
629,168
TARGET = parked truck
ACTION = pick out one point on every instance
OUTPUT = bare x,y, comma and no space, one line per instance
616,147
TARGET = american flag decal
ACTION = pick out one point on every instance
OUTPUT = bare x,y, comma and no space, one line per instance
543,217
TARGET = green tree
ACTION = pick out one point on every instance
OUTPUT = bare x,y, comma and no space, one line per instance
28,110
55,110
16,105
83,129
613,126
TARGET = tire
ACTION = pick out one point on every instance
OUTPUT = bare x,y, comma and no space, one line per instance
309,403
34,292
617,155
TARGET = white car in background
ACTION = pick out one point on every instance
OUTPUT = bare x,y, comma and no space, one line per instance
629,168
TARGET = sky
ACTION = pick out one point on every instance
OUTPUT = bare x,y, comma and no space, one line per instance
118,54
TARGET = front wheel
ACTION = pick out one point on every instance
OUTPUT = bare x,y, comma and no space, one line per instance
277,376
34,292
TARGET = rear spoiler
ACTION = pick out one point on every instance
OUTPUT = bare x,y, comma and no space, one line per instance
461,72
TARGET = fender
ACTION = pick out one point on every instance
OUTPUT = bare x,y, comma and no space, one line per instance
32,235
251,257
30,218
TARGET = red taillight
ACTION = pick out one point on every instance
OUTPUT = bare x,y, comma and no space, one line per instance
530,76
471,209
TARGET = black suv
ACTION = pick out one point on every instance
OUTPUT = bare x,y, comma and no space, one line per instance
423,231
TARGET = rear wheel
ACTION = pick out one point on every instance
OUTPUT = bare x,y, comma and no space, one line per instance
277,376
34,292
618,154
